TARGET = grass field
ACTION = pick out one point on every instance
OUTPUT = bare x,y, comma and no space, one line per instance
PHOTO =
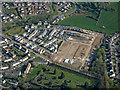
108,19
113,5
75,80
14,30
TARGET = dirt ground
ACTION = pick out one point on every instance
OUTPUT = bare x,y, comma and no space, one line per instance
71,49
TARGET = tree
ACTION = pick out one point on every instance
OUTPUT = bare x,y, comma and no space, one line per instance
86,84
55,71
61,76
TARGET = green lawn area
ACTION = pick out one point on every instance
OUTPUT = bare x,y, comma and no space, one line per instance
74,79
113,5
109,20
13,10
87,23
38,58
34,71
14,30
32,54
79,21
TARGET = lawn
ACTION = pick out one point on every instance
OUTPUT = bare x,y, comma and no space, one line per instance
79,21
87,23
109,20
36,72
113,5
14,30
38,58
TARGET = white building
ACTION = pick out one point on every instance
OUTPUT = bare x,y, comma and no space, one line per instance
7,60
15,64
28,68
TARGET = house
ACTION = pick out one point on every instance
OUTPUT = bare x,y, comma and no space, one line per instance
24,34
32,34
61,32
66,60
24,50
51,48
4,66
39,23
38,41
45,23
16,63
41,51
33,39
55,50
48,26
33,46
26,27
7,60
32,26
50,42
2,41
28,44
28,68
11,54
52,32
11,15
18,46
2,81
24,59
113,75
13,83
42,34
49,37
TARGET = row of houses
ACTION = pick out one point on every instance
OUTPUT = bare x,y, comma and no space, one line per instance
65,8
21,48
79,35
30,8
9,17
58,18
32,34
53,48
18,38
49,42
28,68
6,50
72,28
111,60
6,5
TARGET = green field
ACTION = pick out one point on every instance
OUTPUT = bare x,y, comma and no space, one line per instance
87,23
109,20
15,30
113,5
42,78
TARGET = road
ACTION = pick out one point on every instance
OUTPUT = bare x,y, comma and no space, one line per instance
45,58
1,87
22,64
67,13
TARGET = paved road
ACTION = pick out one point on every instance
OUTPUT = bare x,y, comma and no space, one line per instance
67,13
28,48
1,87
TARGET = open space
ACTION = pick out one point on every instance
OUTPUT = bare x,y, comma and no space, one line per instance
107,19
